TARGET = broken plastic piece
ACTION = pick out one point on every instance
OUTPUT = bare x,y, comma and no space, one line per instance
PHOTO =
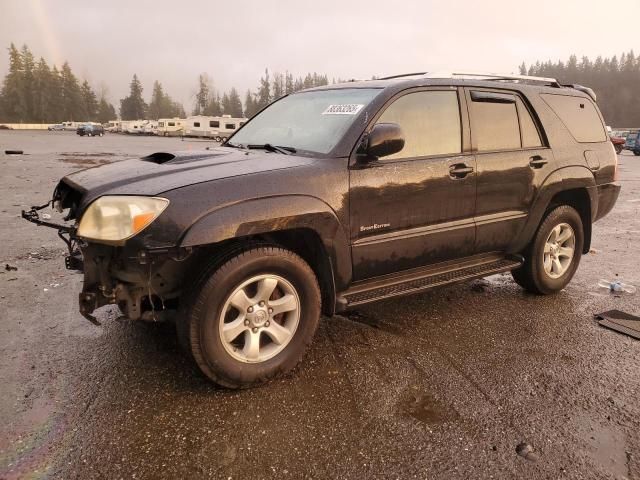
620,322
617,286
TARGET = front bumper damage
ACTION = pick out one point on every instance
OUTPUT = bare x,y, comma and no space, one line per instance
143,282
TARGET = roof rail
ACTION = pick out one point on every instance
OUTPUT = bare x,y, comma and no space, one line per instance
494,76
416,74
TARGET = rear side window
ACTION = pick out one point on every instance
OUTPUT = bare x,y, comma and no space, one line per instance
579,115
495,121
430,121
528,129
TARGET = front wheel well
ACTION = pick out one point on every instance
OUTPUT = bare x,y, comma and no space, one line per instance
579,199
305,242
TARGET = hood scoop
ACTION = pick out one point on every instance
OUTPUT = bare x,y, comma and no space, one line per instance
160,158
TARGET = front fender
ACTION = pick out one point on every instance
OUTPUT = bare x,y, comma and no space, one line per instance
563,179
266,215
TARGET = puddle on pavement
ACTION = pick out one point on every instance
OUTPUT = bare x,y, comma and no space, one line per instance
606,445
426,409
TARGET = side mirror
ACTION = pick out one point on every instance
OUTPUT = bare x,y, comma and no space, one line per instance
384,139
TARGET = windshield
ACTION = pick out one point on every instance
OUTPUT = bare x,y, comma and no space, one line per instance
312,121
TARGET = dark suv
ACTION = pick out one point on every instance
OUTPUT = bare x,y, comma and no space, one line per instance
339,196
90,130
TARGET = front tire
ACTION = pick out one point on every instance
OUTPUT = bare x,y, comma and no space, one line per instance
553,256
251,319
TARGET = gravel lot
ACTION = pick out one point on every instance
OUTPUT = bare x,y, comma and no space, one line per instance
440,385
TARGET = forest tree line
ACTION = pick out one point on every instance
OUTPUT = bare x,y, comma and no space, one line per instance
616,82
34,92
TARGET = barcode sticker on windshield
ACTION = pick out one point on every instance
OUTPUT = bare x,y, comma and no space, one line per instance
344,109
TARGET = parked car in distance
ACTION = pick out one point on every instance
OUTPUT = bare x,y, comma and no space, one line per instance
631,142
56,127
335,197
90,130
636,146
618,143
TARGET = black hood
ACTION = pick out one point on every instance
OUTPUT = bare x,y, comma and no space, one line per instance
166,171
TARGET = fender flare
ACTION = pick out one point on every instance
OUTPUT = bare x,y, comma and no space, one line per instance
563,179
273,214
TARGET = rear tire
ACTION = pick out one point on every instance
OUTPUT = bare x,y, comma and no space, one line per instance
250,319
553,256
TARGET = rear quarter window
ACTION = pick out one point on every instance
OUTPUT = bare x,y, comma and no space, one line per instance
579,115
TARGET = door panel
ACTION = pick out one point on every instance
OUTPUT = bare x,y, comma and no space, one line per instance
411,212
509,170
507,186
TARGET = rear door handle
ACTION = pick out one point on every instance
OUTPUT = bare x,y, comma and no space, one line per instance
460,170
537,161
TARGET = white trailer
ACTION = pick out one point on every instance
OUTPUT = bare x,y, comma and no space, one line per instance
132,126
218,128
112,126
170,127
150,127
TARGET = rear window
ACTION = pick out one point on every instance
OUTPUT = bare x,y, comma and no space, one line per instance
495,123
579,115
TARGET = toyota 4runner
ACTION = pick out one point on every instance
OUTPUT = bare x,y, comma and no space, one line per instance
339,196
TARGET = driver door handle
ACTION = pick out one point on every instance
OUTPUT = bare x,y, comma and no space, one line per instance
460,170
537,161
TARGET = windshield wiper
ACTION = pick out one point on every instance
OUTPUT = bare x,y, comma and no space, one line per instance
273,148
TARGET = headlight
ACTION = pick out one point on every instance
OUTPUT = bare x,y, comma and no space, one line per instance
117,218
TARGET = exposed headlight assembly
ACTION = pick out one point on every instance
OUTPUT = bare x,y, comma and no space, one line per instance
114,219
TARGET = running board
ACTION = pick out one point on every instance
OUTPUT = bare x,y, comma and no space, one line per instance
419,280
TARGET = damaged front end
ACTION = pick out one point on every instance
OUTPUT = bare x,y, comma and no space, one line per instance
143,282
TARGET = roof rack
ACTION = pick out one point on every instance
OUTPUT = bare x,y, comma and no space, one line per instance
551,82
494,76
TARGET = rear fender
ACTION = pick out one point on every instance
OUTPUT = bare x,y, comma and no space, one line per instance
561,180
268,215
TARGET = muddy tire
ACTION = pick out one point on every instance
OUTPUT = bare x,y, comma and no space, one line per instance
553,256
251,316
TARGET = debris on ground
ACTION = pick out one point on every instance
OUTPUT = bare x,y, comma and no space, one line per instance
46,216
13,152
526,451
621,322
617,286
10,268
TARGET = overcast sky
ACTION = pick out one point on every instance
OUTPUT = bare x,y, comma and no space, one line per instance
234,41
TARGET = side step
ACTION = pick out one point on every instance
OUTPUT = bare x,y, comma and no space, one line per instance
419,280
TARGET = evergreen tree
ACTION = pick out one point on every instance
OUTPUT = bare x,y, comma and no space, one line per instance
27,84
235,104
106,111
278,86
250,108
226,106
12,92
203,98
264,92
72,102
214,107
288,83
42,112
158,106
90,101
133,107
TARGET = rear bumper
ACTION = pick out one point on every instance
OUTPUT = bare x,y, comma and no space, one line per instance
607,195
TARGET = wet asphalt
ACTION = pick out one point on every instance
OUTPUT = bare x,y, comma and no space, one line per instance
445,384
